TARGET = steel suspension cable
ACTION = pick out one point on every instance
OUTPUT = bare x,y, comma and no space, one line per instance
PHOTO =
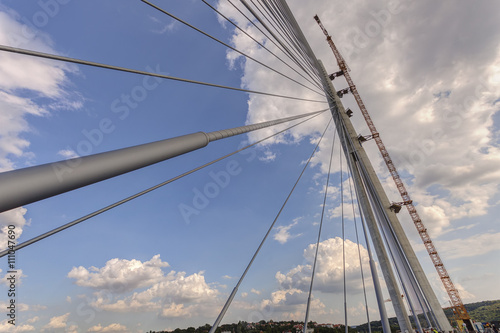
247,6
343,239
282,48
281,24
379,213
319,236
135,71
394,251
273,20
285,22
141,193
292,22
264,13
386,328
359,256
407,274
260,30
261,45
227,45
235,290
356,166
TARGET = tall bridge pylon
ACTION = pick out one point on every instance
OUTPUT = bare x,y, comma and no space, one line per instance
385,228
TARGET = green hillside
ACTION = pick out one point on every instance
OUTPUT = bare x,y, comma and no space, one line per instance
486,311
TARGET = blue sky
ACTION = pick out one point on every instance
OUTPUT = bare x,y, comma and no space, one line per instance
429,74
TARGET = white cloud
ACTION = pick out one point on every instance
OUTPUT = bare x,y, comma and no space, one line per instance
349,207
111,328
43,78
9,328
169,294
162,27
14,217
329,270
175,294
23,307
14,110
57,322
255,291
120,275
290,304
174,310
259,78
472,246
269,156
68,153
289,296
19,277
282,233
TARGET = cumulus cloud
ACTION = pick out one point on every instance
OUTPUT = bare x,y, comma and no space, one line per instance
58,322
24,82
26,307
269,156
14,217
120,275
6,327
258,77
290,304
472,246
329,270
282,233
255,291
294,285
174,310
19,277
111,328
349,207
175,294
68,153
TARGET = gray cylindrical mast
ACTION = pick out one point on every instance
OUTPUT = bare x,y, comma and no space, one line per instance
23,186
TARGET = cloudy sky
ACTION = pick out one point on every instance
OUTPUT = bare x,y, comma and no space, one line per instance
428,72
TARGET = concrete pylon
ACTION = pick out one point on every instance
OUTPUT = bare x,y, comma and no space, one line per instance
401,237
355,153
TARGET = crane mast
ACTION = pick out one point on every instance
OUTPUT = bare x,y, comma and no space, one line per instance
452,291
